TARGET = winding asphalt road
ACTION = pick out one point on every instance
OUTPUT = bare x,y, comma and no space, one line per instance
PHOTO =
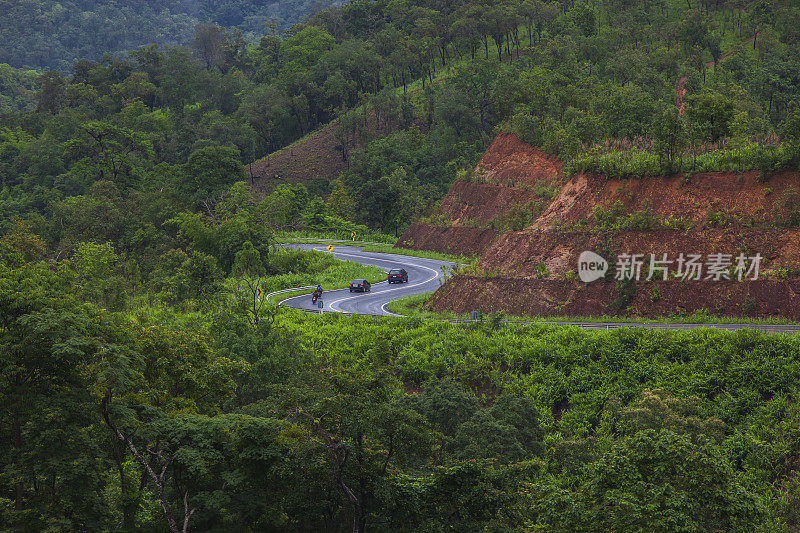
424,275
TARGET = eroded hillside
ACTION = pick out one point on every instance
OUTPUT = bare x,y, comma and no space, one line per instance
511,184
529,224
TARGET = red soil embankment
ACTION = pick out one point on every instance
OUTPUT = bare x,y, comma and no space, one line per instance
512,163
542,297
740,194
506,177
456,240
526,254
481,202
534,271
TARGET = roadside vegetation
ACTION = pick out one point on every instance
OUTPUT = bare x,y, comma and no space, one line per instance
363,235
427,254
373,247
304,268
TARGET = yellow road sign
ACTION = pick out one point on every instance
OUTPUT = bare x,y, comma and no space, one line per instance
259,292
353,234
330,247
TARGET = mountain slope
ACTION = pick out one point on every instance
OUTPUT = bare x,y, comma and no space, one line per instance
534,270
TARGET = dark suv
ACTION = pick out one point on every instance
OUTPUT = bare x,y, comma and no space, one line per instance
360,285
398,275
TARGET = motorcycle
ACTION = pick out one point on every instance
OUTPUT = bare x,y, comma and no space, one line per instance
315,296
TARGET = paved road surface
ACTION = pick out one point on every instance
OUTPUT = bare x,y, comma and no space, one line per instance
424,275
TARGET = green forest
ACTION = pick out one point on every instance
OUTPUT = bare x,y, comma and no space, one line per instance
147,386
45,34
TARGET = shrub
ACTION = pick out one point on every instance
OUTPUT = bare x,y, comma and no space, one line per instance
626,292
719,219
749,305
612,219
638,163
518,217
655,294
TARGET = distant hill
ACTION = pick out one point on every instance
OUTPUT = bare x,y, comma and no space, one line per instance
50,34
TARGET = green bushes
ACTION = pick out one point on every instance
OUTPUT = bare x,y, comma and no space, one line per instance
330,227
546,190
720,219
558,427
637,163
617,165
626,292
436,219
518,217
613,219
657,481
786,212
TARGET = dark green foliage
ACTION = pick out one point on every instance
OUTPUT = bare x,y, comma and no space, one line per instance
518,217
615,219
669,134
49,436
626,292
211,171
508,431
58,34
657,481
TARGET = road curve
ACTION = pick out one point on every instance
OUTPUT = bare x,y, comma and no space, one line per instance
424,275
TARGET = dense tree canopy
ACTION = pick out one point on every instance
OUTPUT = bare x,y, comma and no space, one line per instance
45,34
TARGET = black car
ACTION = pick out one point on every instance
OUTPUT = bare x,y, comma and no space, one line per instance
360,285
398,275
